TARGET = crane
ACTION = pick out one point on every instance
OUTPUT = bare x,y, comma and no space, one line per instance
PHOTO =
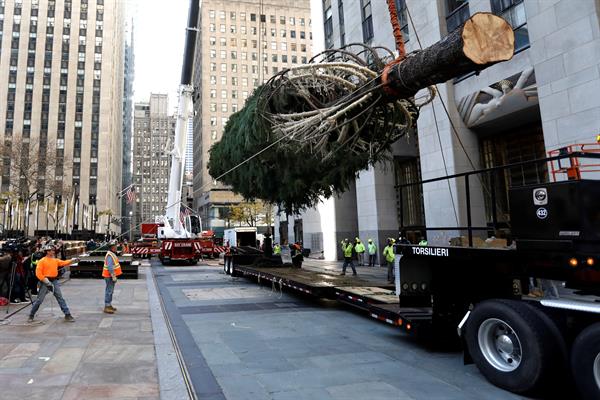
179,236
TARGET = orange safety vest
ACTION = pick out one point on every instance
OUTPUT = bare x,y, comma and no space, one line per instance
117,266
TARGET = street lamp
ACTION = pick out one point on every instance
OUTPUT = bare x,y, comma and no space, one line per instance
130,225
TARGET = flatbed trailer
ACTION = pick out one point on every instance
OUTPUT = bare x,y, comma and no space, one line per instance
527,314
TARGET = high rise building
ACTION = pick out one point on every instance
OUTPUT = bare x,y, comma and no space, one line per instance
544,98
153,134
61,89
129,70
241,45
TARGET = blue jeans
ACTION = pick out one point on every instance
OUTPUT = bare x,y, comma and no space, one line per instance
108,292
57,293
348,262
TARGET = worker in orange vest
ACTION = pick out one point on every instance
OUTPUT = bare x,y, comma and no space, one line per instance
46,271
110,272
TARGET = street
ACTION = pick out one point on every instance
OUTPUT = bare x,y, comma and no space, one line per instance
240,340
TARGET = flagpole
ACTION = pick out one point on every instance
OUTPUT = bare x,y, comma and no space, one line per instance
37,216
26,219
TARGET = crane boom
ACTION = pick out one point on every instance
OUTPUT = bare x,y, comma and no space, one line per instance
173,227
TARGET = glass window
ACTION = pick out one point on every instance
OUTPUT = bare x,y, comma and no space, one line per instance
282,20
457,12
367,20
514,12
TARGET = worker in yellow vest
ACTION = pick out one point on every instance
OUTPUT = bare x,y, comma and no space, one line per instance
110,272
347,248
277,249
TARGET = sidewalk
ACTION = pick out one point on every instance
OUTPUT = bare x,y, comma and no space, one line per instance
99,356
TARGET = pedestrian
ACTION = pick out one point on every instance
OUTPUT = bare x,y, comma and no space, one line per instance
347,249
423,241
359,248
277,249
110,272
46,271
388,254
372,249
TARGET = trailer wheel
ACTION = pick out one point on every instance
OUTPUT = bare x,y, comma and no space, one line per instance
510,345
585,362
227,266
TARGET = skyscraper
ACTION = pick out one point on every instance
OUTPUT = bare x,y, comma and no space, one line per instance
61,88
153,134
241,45
129,69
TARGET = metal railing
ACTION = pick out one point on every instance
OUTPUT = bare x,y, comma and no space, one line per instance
573,156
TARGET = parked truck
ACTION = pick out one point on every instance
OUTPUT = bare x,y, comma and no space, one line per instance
527,313
148,244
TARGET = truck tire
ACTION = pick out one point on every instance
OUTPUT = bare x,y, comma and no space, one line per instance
510,345
227,266
585,362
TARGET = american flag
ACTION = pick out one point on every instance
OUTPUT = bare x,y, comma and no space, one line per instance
183,213
131,194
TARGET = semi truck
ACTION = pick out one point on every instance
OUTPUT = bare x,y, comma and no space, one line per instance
528,313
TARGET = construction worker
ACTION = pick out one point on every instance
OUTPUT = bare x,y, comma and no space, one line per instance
125,247
423,241
372,249
359,248
110,272
388,254
347,249
46,271
297,257
277,249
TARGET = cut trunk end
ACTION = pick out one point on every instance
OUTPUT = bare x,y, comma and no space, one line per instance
487,39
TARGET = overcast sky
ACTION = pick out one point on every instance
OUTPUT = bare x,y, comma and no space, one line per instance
159,28
159,31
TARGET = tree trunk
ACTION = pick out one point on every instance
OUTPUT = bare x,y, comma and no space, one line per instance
483,40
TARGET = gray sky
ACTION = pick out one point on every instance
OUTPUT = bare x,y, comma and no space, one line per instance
159,39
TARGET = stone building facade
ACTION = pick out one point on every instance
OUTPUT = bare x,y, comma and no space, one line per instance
153,135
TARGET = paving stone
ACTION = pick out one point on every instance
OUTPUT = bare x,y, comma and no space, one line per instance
64,361
367,390
303,394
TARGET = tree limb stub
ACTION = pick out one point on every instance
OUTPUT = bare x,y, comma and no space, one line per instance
482,41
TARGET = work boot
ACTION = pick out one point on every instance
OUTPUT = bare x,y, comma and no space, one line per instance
108,310
113,308
30,319
69,318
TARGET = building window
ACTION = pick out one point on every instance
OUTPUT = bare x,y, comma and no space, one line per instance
457,13
514,12
342,27
367,20
402,18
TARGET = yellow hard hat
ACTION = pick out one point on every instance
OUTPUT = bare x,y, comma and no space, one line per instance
598,138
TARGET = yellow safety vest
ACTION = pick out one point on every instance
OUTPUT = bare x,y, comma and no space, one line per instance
117,266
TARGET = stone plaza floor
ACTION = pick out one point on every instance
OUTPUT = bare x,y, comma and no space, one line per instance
234,340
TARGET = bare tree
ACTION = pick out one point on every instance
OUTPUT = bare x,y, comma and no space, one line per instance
33,167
